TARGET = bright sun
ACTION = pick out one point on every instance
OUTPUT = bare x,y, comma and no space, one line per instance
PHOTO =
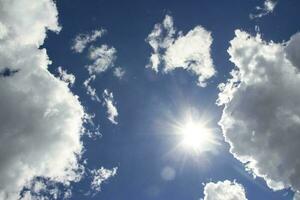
196,136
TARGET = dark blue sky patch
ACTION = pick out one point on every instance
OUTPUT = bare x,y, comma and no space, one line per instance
6,72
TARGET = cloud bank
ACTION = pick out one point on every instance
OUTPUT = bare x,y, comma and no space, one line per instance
261,117
40,119
190,52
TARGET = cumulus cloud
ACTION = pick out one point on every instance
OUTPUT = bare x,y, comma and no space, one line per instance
225,190
268,7
65,76
161,37
112,111
293,49
119,72
81,41
100,176
40,119
261,117
190,52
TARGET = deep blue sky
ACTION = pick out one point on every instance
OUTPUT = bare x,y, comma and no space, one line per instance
147,101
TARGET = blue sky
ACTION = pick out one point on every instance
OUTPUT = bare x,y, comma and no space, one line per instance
143,144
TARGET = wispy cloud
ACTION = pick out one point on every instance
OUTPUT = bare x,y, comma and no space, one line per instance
119,72
268,7
65,76
112,111
81,41
90,90
99,176
103,58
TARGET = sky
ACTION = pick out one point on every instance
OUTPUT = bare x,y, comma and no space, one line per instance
149,99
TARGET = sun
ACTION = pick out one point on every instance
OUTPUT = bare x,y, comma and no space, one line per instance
196,136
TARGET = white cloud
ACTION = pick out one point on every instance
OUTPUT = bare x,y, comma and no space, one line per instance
268,7
89,89
103,58
225,190
65,76
100,176
119,72
161,37
297,196
43,189
93,130
3,31
112,111
82,40
293,49
190,52
27,31
41,120
261,118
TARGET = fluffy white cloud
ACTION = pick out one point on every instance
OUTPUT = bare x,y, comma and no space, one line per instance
65,76
37,17
268,7
103,58
100,176
112,111
261,117
119,72
82,40
190,52
225,190
161,37
40,119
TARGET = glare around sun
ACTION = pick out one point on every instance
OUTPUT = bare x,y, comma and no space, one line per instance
195,136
